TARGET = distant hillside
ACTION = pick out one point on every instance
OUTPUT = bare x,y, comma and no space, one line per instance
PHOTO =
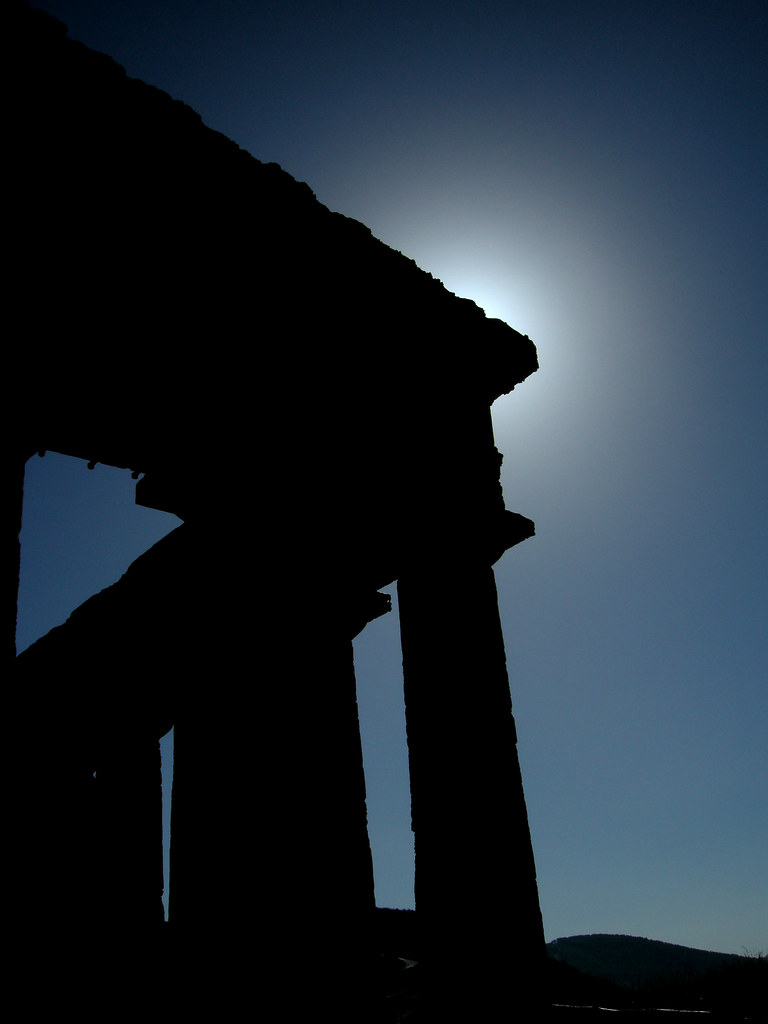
622,972
633,962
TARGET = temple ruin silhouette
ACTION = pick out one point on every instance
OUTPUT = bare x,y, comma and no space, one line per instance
316,410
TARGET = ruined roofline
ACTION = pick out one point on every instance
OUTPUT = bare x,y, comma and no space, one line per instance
176,134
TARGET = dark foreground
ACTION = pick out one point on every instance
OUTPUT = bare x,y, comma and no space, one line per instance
730,995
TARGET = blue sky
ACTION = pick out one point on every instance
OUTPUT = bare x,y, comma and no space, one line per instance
595,174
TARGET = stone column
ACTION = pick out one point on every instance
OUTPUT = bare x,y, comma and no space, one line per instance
476,893
15,464
271,878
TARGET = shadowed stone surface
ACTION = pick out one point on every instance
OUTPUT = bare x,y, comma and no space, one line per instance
317,410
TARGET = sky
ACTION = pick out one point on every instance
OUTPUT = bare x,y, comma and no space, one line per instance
594,173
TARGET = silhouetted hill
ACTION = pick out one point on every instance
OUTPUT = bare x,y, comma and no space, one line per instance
646,973
634,962
645,978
